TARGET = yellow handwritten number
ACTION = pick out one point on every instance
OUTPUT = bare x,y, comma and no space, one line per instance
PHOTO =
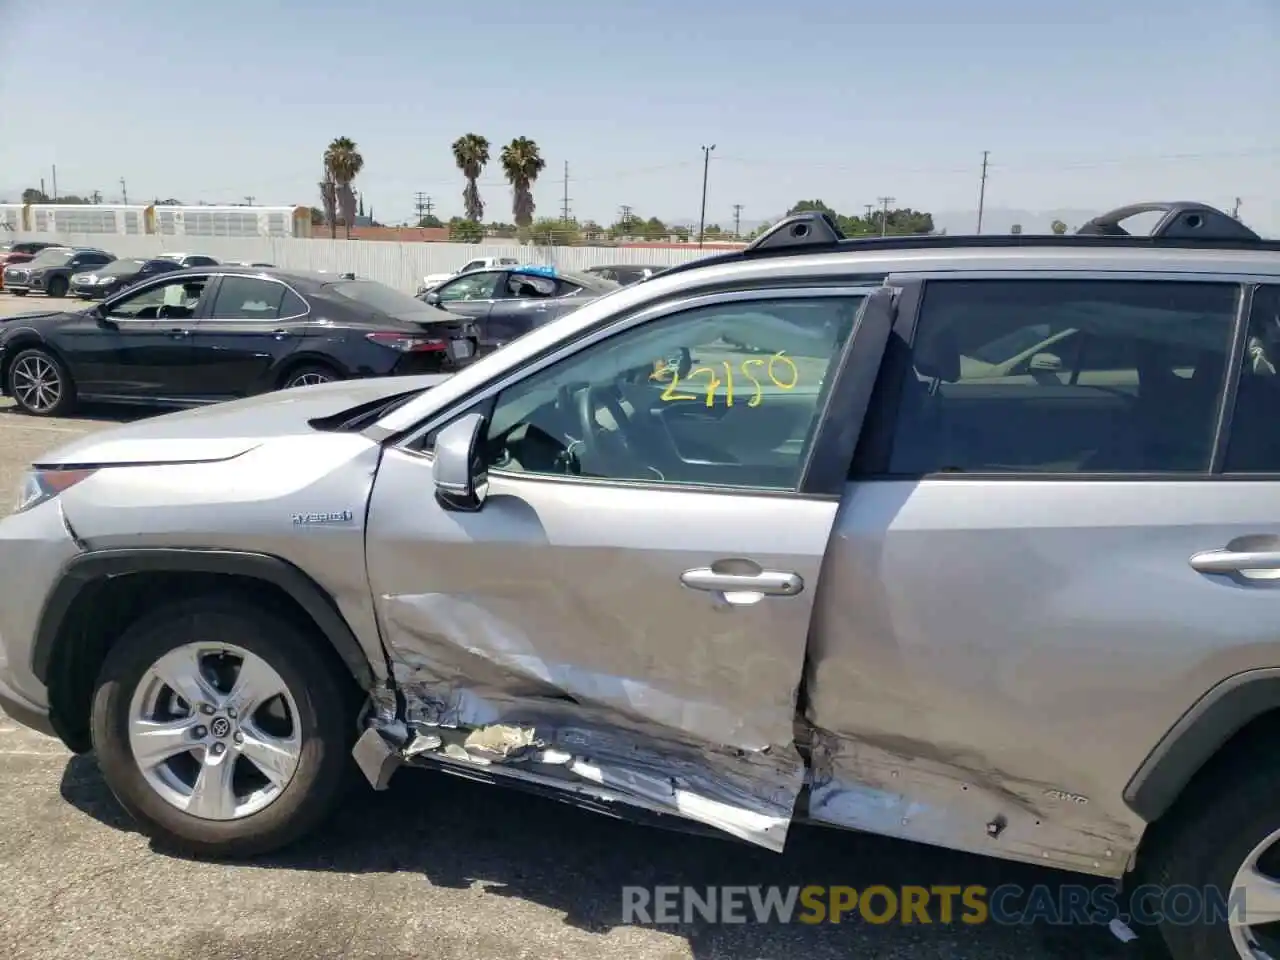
670,393
746,372
713,383
795,372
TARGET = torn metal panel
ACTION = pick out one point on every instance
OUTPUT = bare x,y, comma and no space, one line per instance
862,786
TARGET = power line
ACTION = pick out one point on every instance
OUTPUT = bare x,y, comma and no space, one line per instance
982,189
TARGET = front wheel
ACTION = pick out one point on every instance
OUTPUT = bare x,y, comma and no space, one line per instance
19,293
58,287
222,728
40,384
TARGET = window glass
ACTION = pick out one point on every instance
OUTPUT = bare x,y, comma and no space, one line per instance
248,298
473,286
1064,376
177,300
725,395
1254,444
521,286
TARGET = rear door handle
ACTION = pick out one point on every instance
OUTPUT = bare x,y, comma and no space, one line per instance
774,583
1235,561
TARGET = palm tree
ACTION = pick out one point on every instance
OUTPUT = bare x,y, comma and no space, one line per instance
342,164
471,153
522,163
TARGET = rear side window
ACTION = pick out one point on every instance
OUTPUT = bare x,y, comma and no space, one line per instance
1064,376
252,298
1254,444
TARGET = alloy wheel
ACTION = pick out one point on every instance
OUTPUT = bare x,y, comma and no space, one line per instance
310,378
36,383
215,731
1255,900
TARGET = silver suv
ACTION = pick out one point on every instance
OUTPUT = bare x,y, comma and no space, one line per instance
969,541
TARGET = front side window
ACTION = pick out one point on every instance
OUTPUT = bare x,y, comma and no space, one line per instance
473,286
1064,376
722,395
249,298
178,300
525,286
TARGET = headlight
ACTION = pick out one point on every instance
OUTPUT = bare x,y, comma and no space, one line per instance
41,485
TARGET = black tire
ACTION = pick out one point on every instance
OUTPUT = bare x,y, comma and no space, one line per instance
309,374
1205,841
34,357
327,702
19,293
57,287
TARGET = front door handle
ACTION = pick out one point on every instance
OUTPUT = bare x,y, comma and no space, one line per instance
1236,561
178,333
774,583
280,334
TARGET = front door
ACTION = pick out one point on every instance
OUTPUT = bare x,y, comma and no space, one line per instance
138,345
473,295
1027,565
629,609
253,324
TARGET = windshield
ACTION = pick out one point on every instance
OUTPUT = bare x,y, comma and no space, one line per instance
52,258
384,299
116,267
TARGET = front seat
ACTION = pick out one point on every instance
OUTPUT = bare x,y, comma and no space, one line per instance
923,443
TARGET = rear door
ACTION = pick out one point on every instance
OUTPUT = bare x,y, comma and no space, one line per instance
1017,615
638,595
252,325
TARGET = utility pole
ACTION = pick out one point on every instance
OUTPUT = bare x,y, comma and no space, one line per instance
884,213
737,221
564,209
982,189
1235,211
124,192
624,218
55,183
706,166
96,197
431,206
249,201
870,207
420,205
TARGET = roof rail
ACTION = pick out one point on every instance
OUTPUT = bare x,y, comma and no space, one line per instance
1185,224
802,231
1182,220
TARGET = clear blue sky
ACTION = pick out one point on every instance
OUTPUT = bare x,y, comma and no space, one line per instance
1083,104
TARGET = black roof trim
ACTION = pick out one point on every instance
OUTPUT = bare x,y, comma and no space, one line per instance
1185,225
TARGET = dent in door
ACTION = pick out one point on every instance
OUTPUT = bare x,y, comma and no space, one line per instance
560,678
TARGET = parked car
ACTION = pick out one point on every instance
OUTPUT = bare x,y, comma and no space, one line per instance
246,263
206,334
509,302
623,273
113,277
433,280
15,252
819,576
50,271
190,259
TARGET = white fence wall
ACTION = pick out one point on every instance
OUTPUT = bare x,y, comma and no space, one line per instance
400,265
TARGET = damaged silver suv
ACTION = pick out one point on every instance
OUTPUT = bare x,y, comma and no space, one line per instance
969,541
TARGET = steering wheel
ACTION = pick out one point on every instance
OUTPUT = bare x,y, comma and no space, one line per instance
606,447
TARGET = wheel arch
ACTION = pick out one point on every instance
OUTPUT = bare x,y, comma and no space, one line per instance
24,339
307,358
100,592
1220,719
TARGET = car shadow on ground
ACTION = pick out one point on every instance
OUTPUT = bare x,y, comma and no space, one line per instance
456,834
93,413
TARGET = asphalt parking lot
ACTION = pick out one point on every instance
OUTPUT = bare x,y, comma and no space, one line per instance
435,867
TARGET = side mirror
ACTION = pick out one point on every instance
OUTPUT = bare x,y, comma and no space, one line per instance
1045,367
432,298
461,480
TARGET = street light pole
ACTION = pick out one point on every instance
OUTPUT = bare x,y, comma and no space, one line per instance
702,219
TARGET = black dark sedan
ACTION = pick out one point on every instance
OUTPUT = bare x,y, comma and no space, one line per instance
103,281
206,334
